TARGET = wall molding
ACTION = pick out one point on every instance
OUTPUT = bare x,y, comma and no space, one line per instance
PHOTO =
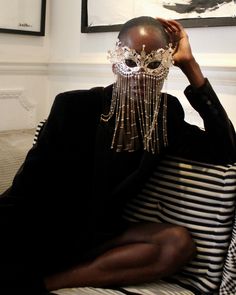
77,68
220,75
98,67
19,95
11,93
19,103
23,68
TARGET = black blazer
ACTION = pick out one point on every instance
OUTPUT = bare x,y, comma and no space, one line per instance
72,184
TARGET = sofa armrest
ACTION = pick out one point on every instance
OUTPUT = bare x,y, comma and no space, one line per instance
14,145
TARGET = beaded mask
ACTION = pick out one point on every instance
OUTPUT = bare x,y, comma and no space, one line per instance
136,98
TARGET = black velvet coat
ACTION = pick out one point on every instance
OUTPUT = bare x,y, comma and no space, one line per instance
71,187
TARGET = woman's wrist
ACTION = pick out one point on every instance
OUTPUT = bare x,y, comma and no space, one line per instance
193,73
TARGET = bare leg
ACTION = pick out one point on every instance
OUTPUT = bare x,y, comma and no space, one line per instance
143,253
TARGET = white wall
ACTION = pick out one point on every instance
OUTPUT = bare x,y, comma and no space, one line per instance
76,60
79,60
23,78
65,59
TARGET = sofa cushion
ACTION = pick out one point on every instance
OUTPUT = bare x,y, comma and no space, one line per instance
228,283
14,145
200,197
160,288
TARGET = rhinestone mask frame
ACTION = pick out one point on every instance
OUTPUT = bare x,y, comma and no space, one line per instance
129,62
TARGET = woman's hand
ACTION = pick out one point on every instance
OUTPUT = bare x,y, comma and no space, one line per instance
179,38
182,55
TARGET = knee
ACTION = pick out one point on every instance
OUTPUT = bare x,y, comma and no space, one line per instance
178,250
181,244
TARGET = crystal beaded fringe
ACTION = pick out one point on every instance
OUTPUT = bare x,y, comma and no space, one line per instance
136,102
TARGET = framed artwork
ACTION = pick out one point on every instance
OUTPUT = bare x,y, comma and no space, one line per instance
23,17
109,15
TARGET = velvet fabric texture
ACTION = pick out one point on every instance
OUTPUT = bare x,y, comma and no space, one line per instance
72,184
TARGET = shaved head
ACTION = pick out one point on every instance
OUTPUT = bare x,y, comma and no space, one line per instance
143,30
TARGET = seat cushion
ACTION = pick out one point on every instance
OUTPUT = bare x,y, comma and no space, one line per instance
160,288
14,145
200,197
228,283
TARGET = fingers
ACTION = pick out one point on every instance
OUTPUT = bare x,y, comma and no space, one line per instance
173,29
171,26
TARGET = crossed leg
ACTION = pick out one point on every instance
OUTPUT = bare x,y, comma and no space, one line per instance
143,253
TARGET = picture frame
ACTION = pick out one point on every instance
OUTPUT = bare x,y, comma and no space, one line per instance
25,17
212,20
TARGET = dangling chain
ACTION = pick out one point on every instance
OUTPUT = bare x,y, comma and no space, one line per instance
136,101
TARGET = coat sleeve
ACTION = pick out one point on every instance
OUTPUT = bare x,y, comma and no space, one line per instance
217,142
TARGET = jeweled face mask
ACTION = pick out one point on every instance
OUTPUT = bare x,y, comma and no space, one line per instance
129,62
137,100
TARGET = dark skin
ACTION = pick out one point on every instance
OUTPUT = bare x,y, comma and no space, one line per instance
145,251
183,57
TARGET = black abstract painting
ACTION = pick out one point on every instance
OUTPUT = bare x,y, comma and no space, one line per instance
198,6
109,15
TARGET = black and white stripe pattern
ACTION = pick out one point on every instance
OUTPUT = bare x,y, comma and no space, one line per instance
228,283
38,130
160,288
200,197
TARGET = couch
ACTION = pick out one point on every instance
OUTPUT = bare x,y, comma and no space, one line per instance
199,196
